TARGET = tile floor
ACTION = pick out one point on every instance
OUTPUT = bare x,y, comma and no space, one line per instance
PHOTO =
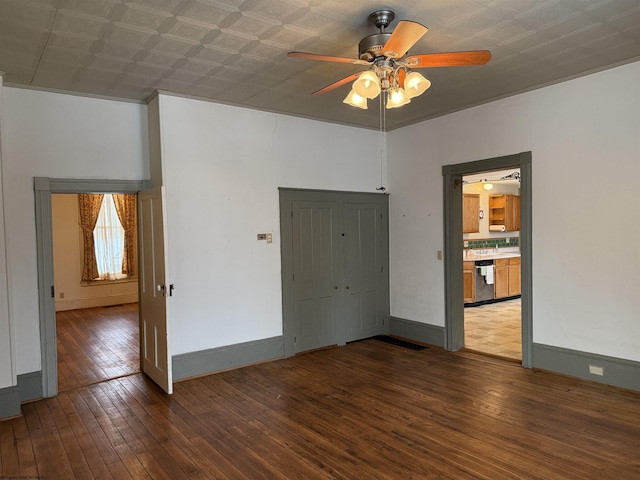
494,329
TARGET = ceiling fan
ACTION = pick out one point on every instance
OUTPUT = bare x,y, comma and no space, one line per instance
390,71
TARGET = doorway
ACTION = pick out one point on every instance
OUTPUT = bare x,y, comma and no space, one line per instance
97,321
492,264
454,246
44,188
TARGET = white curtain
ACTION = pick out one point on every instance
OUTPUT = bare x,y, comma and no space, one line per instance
108,237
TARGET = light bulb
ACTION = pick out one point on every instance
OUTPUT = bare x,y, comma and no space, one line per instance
397,97
367,85
355,100
415,84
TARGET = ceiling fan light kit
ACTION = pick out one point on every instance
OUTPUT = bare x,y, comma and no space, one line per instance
389,70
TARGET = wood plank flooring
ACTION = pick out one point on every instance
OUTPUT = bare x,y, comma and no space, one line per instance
369,410
495,328
97,344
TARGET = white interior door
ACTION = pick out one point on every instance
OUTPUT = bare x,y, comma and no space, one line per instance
154,335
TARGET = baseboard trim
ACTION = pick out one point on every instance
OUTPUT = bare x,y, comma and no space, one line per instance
420,332
30,385
9,402
213,360
617,372
108,301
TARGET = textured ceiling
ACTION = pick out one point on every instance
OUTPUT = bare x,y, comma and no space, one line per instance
234,51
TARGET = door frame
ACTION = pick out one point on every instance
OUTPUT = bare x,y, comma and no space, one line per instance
453,246
286,198
44,187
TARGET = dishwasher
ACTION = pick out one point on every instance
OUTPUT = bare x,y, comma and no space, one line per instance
484,290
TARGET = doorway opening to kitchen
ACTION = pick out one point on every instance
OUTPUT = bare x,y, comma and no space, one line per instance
452,176
491,263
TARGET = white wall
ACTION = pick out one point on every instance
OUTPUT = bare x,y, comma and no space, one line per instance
584,135
7,345
68,250
222,167
61,136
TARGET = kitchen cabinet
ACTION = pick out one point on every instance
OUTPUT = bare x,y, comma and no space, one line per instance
505,210
514,276
507,277
470,213
501,277
469,282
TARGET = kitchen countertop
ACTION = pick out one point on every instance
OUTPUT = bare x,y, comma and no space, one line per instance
471,256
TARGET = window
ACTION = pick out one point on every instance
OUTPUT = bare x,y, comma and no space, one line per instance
108,223
108,238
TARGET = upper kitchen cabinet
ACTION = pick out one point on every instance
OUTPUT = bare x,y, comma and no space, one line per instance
470,213
504,210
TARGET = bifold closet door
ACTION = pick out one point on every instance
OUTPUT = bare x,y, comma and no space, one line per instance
363,248
317,274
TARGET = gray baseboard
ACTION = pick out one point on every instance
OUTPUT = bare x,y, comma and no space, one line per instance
222,358
420,332
616,371
30,385
9,402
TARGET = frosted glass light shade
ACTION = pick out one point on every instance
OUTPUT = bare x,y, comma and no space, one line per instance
487,186
415,84
367,85
397,97
355,100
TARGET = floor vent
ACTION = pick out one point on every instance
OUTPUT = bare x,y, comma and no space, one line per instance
399,343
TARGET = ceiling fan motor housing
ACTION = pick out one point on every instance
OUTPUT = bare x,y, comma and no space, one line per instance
370,47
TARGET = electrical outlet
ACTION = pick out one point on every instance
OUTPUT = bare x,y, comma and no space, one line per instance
466,244
595,370
61,295
439,254
269,238
508,240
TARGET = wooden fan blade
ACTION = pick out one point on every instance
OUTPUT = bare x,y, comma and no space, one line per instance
327,58
405,35
451,59
337,84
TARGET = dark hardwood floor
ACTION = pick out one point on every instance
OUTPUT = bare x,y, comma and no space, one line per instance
97,344
369,410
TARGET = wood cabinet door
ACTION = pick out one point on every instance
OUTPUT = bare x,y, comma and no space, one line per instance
470,213
469,286
512,219
514,277
501,281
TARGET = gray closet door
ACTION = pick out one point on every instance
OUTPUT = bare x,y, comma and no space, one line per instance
316,275
335,257
363,242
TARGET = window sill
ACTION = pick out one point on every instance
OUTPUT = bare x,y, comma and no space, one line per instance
98,283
